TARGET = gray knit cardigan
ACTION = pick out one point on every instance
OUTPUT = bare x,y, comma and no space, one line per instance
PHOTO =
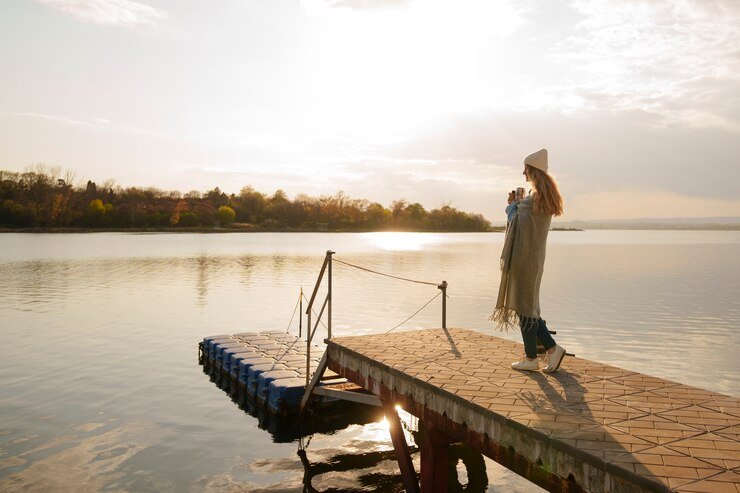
522,264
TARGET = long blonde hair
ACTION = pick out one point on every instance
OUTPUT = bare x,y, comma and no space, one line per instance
546,195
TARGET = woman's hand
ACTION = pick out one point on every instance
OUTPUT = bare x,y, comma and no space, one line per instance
512,196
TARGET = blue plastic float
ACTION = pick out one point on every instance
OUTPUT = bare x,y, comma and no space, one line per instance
266,377
270,366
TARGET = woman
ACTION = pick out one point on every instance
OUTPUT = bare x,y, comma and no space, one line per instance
522,262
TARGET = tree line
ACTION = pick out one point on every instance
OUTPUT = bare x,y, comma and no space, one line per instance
45,197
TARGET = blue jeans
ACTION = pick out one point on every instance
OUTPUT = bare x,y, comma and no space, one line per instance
532,329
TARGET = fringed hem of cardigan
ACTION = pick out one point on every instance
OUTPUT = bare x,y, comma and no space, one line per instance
504,319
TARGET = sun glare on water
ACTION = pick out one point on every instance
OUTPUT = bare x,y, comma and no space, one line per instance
393,241
379,432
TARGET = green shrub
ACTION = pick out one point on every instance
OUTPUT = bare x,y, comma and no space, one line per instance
225,215
188,219
99,214
13,213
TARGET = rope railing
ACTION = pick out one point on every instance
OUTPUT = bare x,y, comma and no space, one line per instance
326,268
300,334
441,286
331,259
384,274
416,312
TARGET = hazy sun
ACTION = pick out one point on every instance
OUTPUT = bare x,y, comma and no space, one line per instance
393,68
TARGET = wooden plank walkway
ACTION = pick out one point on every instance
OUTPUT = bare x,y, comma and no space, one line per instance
588,427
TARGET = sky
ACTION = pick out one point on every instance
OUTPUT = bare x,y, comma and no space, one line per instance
431,101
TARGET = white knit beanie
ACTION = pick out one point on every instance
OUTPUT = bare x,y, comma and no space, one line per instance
537,160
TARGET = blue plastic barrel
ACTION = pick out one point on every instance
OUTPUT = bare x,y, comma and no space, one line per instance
218,344
236,358
207,340
253,372
221,348
208,343
246,363
229,353
285,395
264,379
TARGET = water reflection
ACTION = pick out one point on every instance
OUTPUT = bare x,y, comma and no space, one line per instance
291,428
378,470
202,282
247,263
375,470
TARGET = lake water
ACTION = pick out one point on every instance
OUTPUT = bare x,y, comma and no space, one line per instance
101,389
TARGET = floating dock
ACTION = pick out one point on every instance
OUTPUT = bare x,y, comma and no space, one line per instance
588,427
269,367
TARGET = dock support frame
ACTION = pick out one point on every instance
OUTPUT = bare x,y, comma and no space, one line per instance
434,453
315,379
505,456
403,455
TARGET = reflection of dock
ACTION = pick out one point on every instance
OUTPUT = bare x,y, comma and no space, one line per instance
588,427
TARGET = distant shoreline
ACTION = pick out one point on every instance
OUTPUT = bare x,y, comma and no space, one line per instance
494,229
656,227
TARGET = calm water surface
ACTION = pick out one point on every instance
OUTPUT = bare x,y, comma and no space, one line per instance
101,389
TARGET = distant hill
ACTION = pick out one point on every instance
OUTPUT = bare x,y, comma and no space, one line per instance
706,223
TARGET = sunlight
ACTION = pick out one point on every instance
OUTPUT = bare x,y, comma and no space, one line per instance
397,242
377,432
410,62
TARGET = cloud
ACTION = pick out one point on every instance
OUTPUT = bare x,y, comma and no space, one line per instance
125,13
678,60
354,4
43,116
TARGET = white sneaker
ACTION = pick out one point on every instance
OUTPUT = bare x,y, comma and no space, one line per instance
554,359
526,364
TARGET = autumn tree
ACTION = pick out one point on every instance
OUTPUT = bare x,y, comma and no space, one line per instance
43,196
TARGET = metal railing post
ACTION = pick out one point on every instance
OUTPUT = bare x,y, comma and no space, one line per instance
309,309
329,254
300,313
308,348
443,287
